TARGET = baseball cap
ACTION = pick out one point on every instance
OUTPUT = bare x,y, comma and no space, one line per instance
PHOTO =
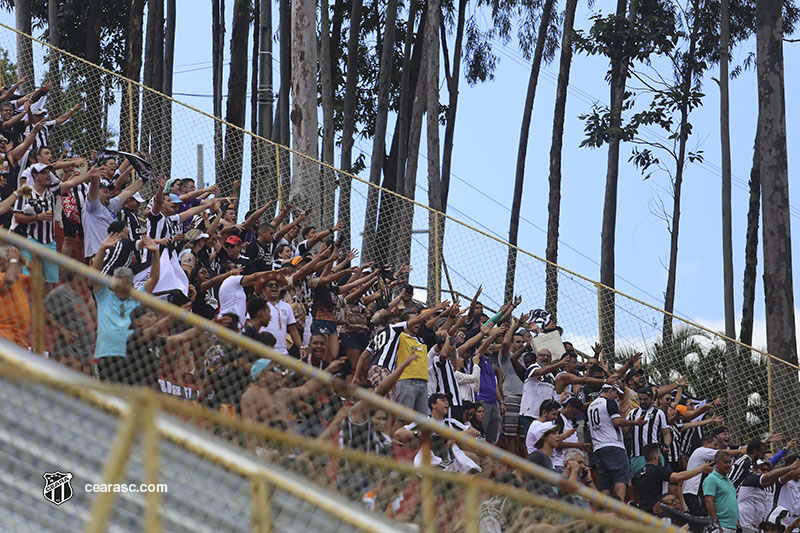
537,429
681,409
41,167
234,240
615,387
776,517
201,236
138,197
632,372
175,199
762,462
3,139
259,367
39,111
168,184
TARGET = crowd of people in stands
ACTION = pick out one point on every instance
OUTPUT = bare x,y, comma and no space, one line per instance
503,377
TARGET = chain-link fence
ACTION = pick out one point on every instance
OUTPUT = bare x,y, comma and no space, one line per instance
61,423
448,260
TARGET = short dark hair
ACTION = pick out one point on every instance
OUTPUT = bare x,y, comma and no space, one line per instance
226,267
265,226
708,437
549,405
720,455
268,339
187,180
754,445
646,390
407,315
256,305
651,451
307,230
116,226
234,325
6,105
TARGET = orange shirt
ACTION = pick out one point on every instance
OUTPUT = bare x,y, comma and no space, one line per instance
15,312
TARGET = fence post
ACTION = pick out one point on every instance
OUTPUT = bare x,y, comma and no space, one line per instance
278,176
471,507
599,312
427,492
37,298
151,461
261,504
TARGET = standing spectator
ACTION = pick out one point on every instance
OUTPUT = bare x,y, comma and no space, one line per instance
539,385
720,494
567,421
757,492
512,346
743,466
37,213
114,306
232,298
442,376
10,156
282,321
655,431
15,312
37,118
649,480
69,315
490,391
788,495
705,453
99,211
605,423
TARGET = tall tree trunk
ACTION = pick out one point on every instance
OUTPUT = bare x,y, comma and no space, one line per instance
283,97
304,104
554,199
725,138
22,12
133,69
349,119
379,139
522,150
327,187
619,68
153,78
94,110
675,223
435,220
217,51
53,66
166,87
405,210
265,180
255,152
776,228
751,249
452,104
237,92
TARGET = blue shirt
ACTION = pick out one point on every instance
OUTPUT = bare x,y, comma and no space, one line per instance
113,320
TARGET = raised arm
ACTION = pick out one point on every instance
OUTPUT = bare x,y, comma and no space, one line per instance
285,229
158,200
321,235
18,151
109,242
8,93
155,264
77,180
65,117
8,204
130,190
251,222
192,211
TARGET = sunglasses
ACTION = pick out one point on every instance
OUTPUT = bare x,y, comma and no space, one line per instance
122,310
229,245
272,285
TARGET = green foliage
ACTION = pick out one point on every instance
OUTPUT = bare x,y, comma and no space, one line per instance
8,69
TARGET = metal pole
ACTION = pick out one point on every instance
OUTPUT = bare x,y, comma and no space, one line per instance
471,507
151,461
37,298
200,177
261,504
428,500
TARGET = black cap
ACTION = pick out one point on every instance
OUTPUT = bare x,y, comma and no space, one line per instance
632,372
575,403
437,396
137,312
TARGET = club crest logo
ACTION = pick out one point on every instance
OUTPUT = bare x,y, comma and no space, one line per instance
57,488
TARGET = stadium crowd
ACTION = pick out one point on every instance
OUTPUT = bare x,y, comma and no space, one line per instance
505,377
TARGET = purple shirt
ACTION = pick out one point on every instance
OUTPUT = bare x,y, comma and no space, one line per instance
488,385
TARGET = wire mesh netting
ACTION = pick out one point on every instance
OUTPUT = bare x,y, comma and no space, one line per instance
256,237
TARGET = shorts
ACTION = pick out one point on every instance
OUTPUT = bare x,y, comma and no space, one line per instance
511,418
50,270
72,229
524,425
326,327
612,467
354,341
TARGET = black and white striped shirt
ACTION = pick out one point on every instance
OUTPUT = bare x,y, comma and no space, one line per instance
650,433
741,467
383,347
442,377
41,137
41,230
674,447
120,256
161,227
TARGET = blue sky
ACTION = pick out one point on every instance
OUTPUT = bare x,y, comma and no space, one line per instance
487,133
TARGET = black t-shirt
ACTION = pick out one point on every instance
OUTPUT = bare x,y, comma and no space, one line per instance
240,261
143,359
649,482
261,256
14,132
205,303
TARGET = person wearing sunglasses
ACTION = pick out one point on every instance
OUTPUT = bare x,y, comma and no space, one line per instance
282,321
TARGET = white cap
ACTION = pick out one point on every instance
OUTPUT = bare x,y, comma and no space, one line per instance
201,236
39,111
138,197
40,167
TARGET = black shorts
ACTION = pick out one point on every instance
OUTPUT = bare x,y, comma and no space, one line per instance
71,229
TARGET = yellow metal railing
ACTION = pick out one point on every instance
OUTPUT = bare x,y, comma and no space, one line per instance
144,405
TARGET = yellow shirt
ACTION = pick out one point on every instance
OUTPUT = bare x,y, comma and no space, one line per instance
405,347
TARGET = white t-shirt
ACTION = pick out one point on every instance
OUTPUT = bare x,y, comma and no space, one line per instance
604,433
535,432
789,496
95,218
281,317
755,501
700,456
232,298
535,391
558,454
